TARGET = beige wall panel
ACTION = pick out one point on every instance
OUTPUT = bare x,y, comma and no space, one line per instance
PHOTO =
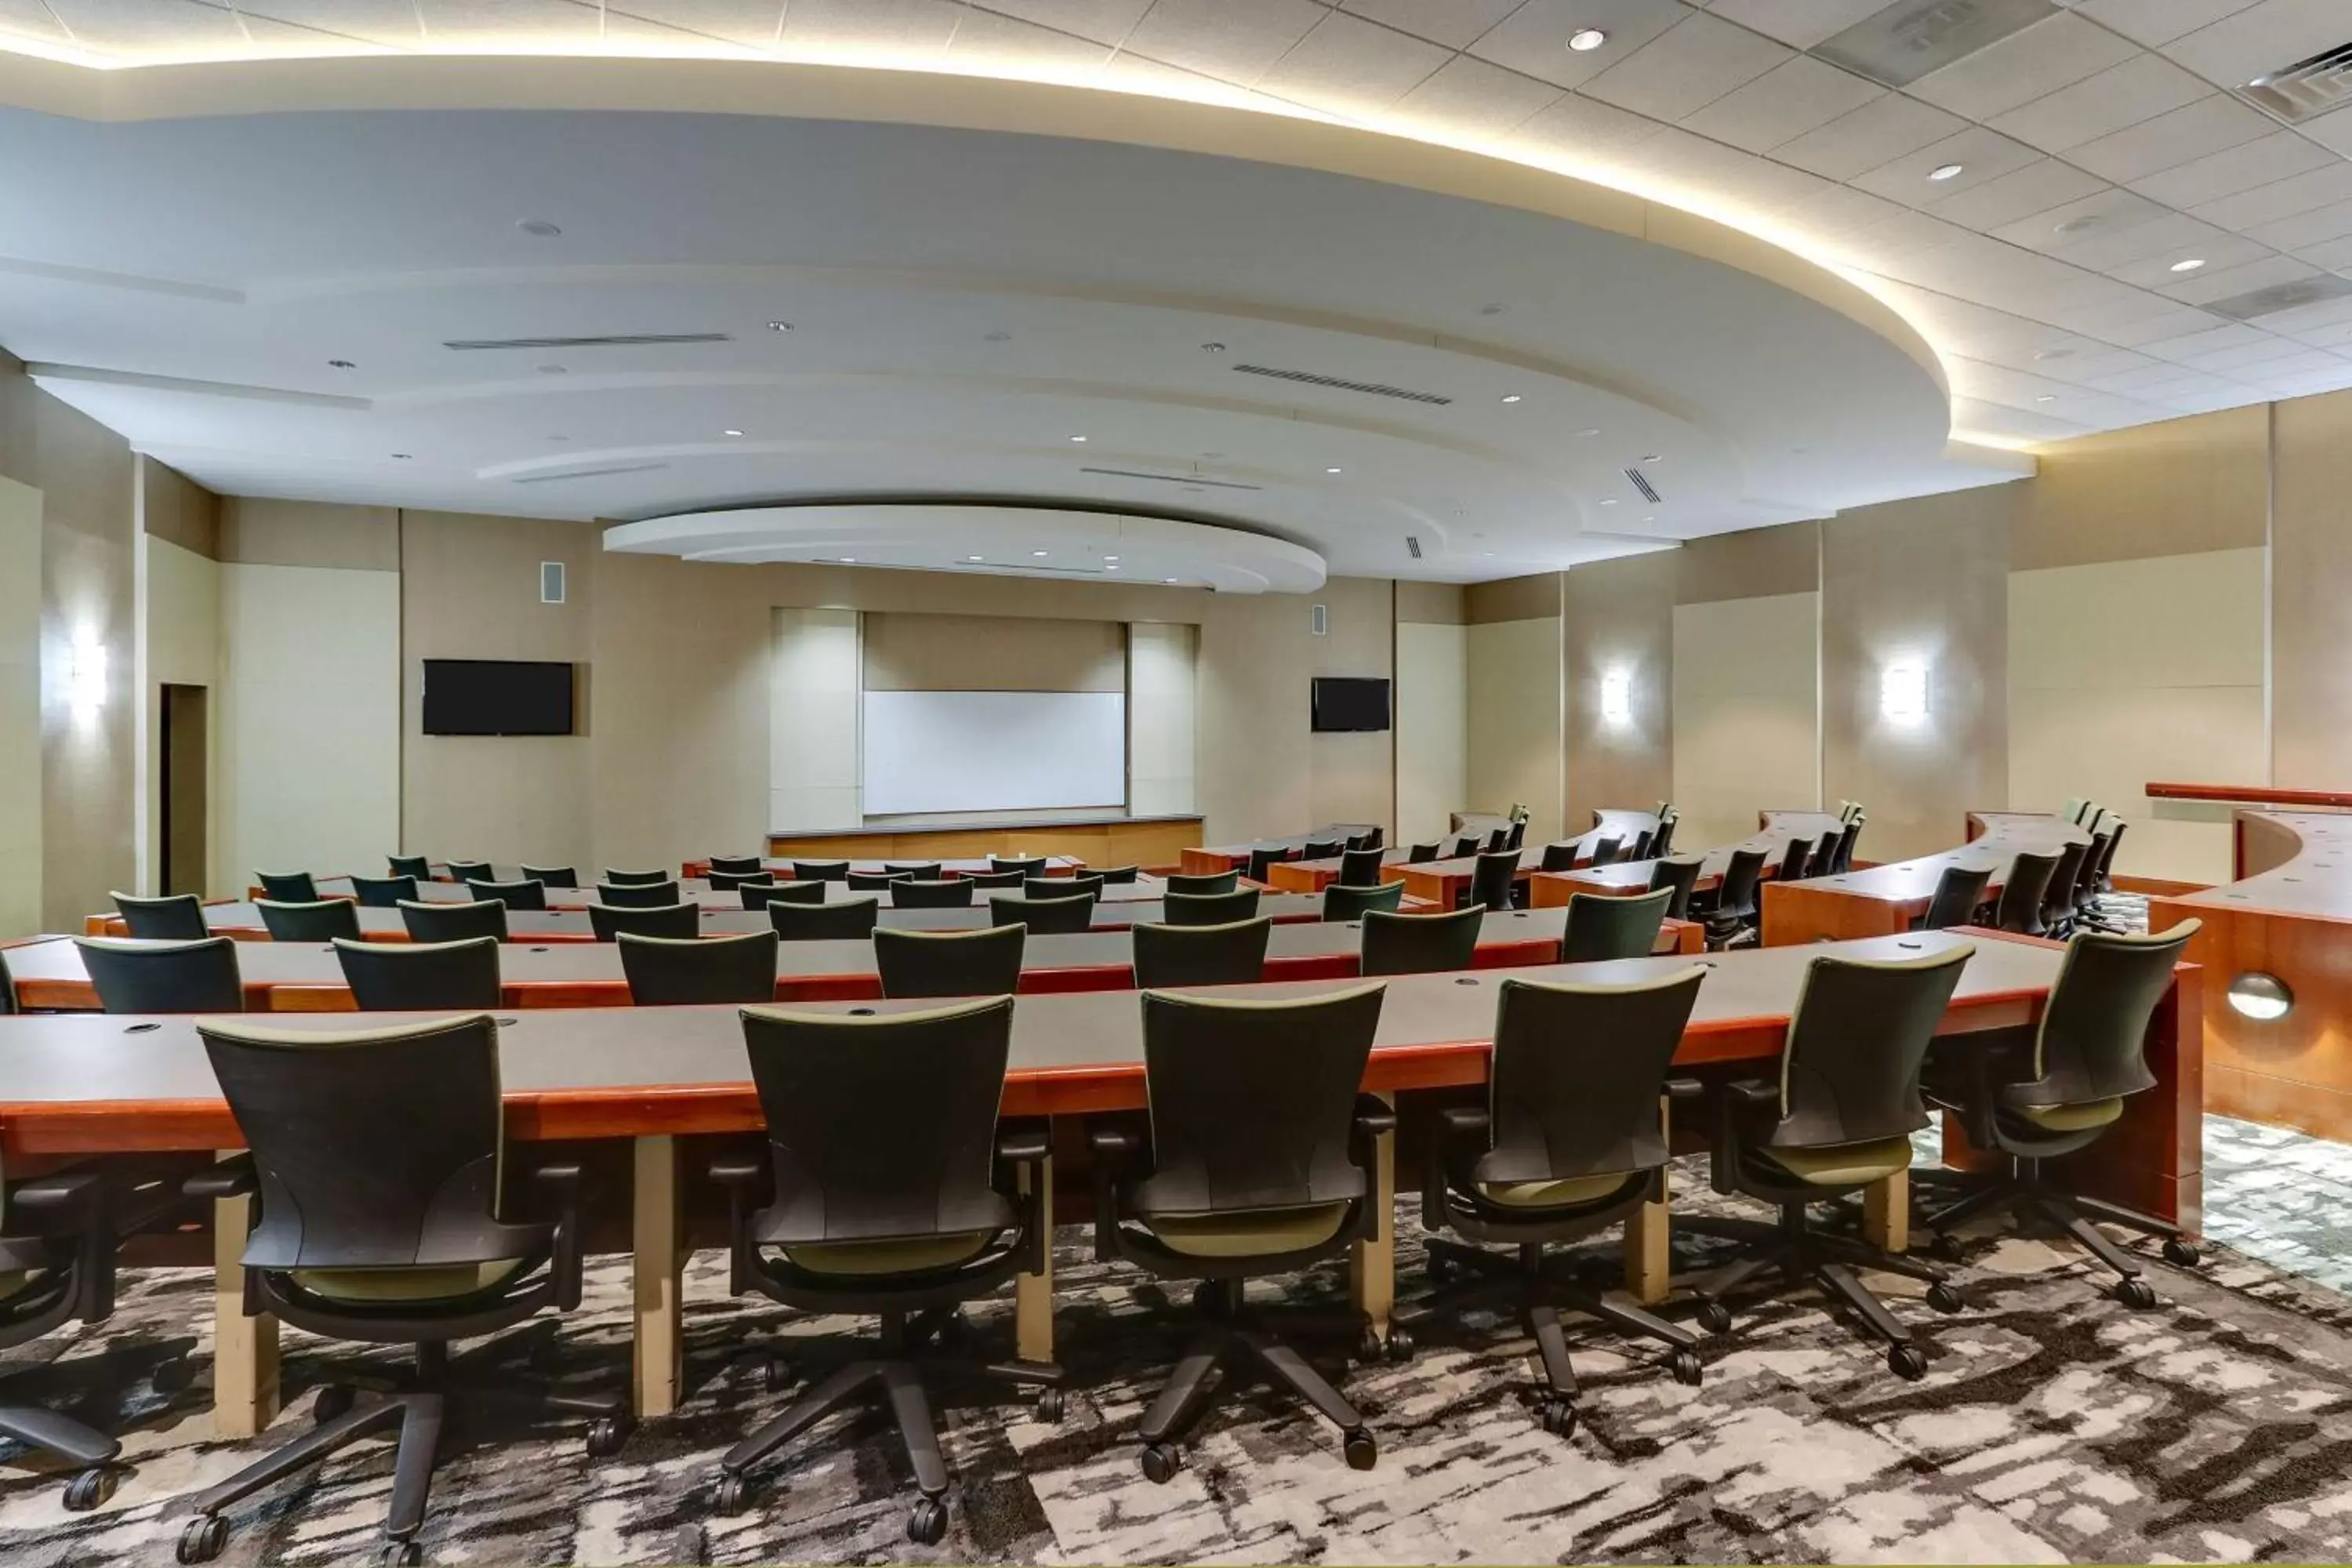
2311,597
1619,617
20,710
2168,620
1753,563
1513,721
993,653
183,648
2180,487
1352,778
1746,731
813,727
1432,726
1163,713
262,532
1513,599
1431,603
174,507
308,714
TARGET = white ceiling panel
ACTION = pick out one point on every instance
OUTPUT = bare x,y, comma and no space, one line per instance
1981,154
2278,156
2332,130
1347,65
1457,23
2208,284
2150,264
2156,22
390,22
2030,63
1794,97
1237,41
1686,67
1533,40
2263,37
1865,139
2137,89
2334,255
2060,229
2038,187
923,26
986,41
1799,24
2214,123
1098,21
1468,99
1575,131
2322,187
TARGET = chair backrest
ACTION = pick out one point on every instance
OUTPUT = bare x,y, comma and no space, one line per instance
524,895
635,878
880,1126
875,881
1850,1064
637,894
737,865
2090,1043
288,887
2087,875
994,878
1958,891
1497,841
1361,841
1799,856
7,988
2021,896
985,963
322,920
1062,886
727,881
552,876
1604,851
1492,880
1361,868
1262,861
1736,894
453,922
1028,865
679,922
165,976
472,871
1421,854
1578,1073
2073,810
845,920
1341,902
1559,857
1678,877
417,866
1252,1103
1843,860
1211,882
1825,851
947,893
1229,954
1209,908
1119,874
1464,848
820,871
1420,945
1663,844
667,971
422,976
1323,848
1517,837
337,1186
383,892
1602,928
760,895
179,918
1046,917
2058,896
1641,842
920,870
2107,861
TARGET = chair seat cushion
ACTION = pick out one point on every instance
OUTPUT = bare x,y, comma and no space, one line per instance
1248,1232
14,1282
407,1282
2079,1118
1842,1164
890,1254
1558,1193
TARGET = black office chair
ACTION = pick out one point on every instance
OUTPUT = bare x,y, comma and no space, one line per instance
2058,897
179,918
877,881
1061,886
1958,891
1362,840
896,1192
163,976
1209,908
1464,848
668,972
1559,857
2019,909
994,878
523,895
1029,865
422,976
1210,882
761,895
985,962
638,895
1420,945
1323,850
1044,917
1604,851
920,870
371,1238
1795,861
1731,915
820,871
472,871
1825,853
1257,1159
1570,1143
951,893
1640,849
1119,875
7,1002
1497,841
1662,845
417,866
737,865
288,887
1516,839
1422,854
1262,861
635,878
1843,862
1679,878
678,922
1494,878
383,892
2054,1087
551,876
727,881
2107,861
1601,928
2086,877
849,919
1231,954
322,920
453,922
1838,1119
1346,903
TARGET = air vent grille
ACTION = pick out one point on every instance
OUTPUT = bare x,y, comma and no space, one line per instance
1173,478
1413,546
2280,297
1642,483
2306,88
1908,39
587,473
616,341
1341,383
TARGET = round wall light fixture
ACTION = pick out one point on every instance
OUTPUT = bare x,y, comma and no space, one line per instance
2261,996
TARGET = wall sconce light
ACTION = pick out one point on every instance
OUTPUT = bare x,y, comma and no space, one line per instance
2260,996
86,676
1903,693
1617,698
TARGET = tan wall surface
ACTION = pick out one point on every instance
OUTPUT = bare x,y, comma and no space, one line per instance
2311,597
1618,616
20,710
1513,598
1759,562
1432,726
309,533
183,648
1514,709
1747,724
1431,603
1163,717
178,511
2180,487
993,653
1351,778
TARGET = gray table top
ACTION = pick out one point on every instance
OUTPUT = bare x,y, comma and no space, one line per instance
2007,835
698,890
2312,874
1296,842
1780,828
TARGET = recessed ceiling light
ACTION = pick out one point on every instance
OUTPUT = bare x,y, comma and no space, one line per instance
1079,438
1330,470
1036,552
972,558
1584,40
2056,353
402,456
779,326
1945,171
2192,265
2047,397
539,228
1608,501
1110,557
1490,310
340,364
1168,578
849,560
1653,457
731,431
2076,224
1110,568
1588,432
1510,397
1649,520
1212,348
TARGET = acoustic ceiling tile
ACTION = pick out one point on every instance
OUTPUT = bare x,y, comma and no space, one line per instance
1799,24
1347,65
2026,65
2156,22
1457,23
2213,123
2277,156
2126,94
1468,99
1798,95
2038,187
1862,140
1234,40
1098,21
1686,67
2063,230
1533,40
2262,38
1981,155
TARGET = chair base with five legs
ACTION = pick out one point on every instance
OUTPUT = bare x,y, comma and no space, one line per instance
1832,1264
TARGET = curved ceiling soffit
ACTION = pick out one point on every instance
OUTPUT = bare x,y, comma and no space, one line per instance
948,100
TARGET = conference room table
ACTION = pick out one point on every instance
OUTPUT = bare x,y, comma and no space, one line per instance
1888,898
1209,860
1446,883
698,890
83,1084
302,976
1628,879
950,867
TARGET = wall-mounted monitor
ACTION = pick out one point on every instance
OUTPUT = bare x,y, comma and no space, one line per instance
1350,703
497,697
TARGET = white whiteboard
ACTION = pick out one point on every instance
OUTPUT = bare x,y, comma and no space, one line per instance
993,751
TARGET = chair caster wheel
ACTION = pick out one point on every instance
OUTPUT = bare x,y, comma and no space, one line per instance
1945,1248
1159,1464
734,1492
333,1400
1361,1450
1714,1317
1907,1363
927,1522
174,1376
1943,1297
2135,1292
399,1554
92,1488
1208,1299
605,1436
1399,1345
1371,1347
1684,1365
2182,1254
1049,1404
1441,1271
775,1375
202,1539
1557,1417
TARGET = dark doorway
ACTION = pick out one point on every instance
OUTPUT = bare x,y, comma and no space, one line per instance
186,809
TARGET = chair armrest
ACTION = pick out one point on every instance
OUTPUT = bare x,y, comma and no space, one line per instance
562,1180
72,1193
559,1176
1023,1143
1117,1149
1459,1121
735,1171
1754,1093
1684,1089
233,1177
1374,1115
1114,1143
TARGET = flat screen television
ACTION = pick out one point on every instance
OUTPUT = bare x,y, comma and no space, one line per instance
1350,702
497,697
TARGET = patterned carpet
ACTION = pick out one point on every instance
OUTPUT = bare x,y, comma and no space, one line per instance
2054,1425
